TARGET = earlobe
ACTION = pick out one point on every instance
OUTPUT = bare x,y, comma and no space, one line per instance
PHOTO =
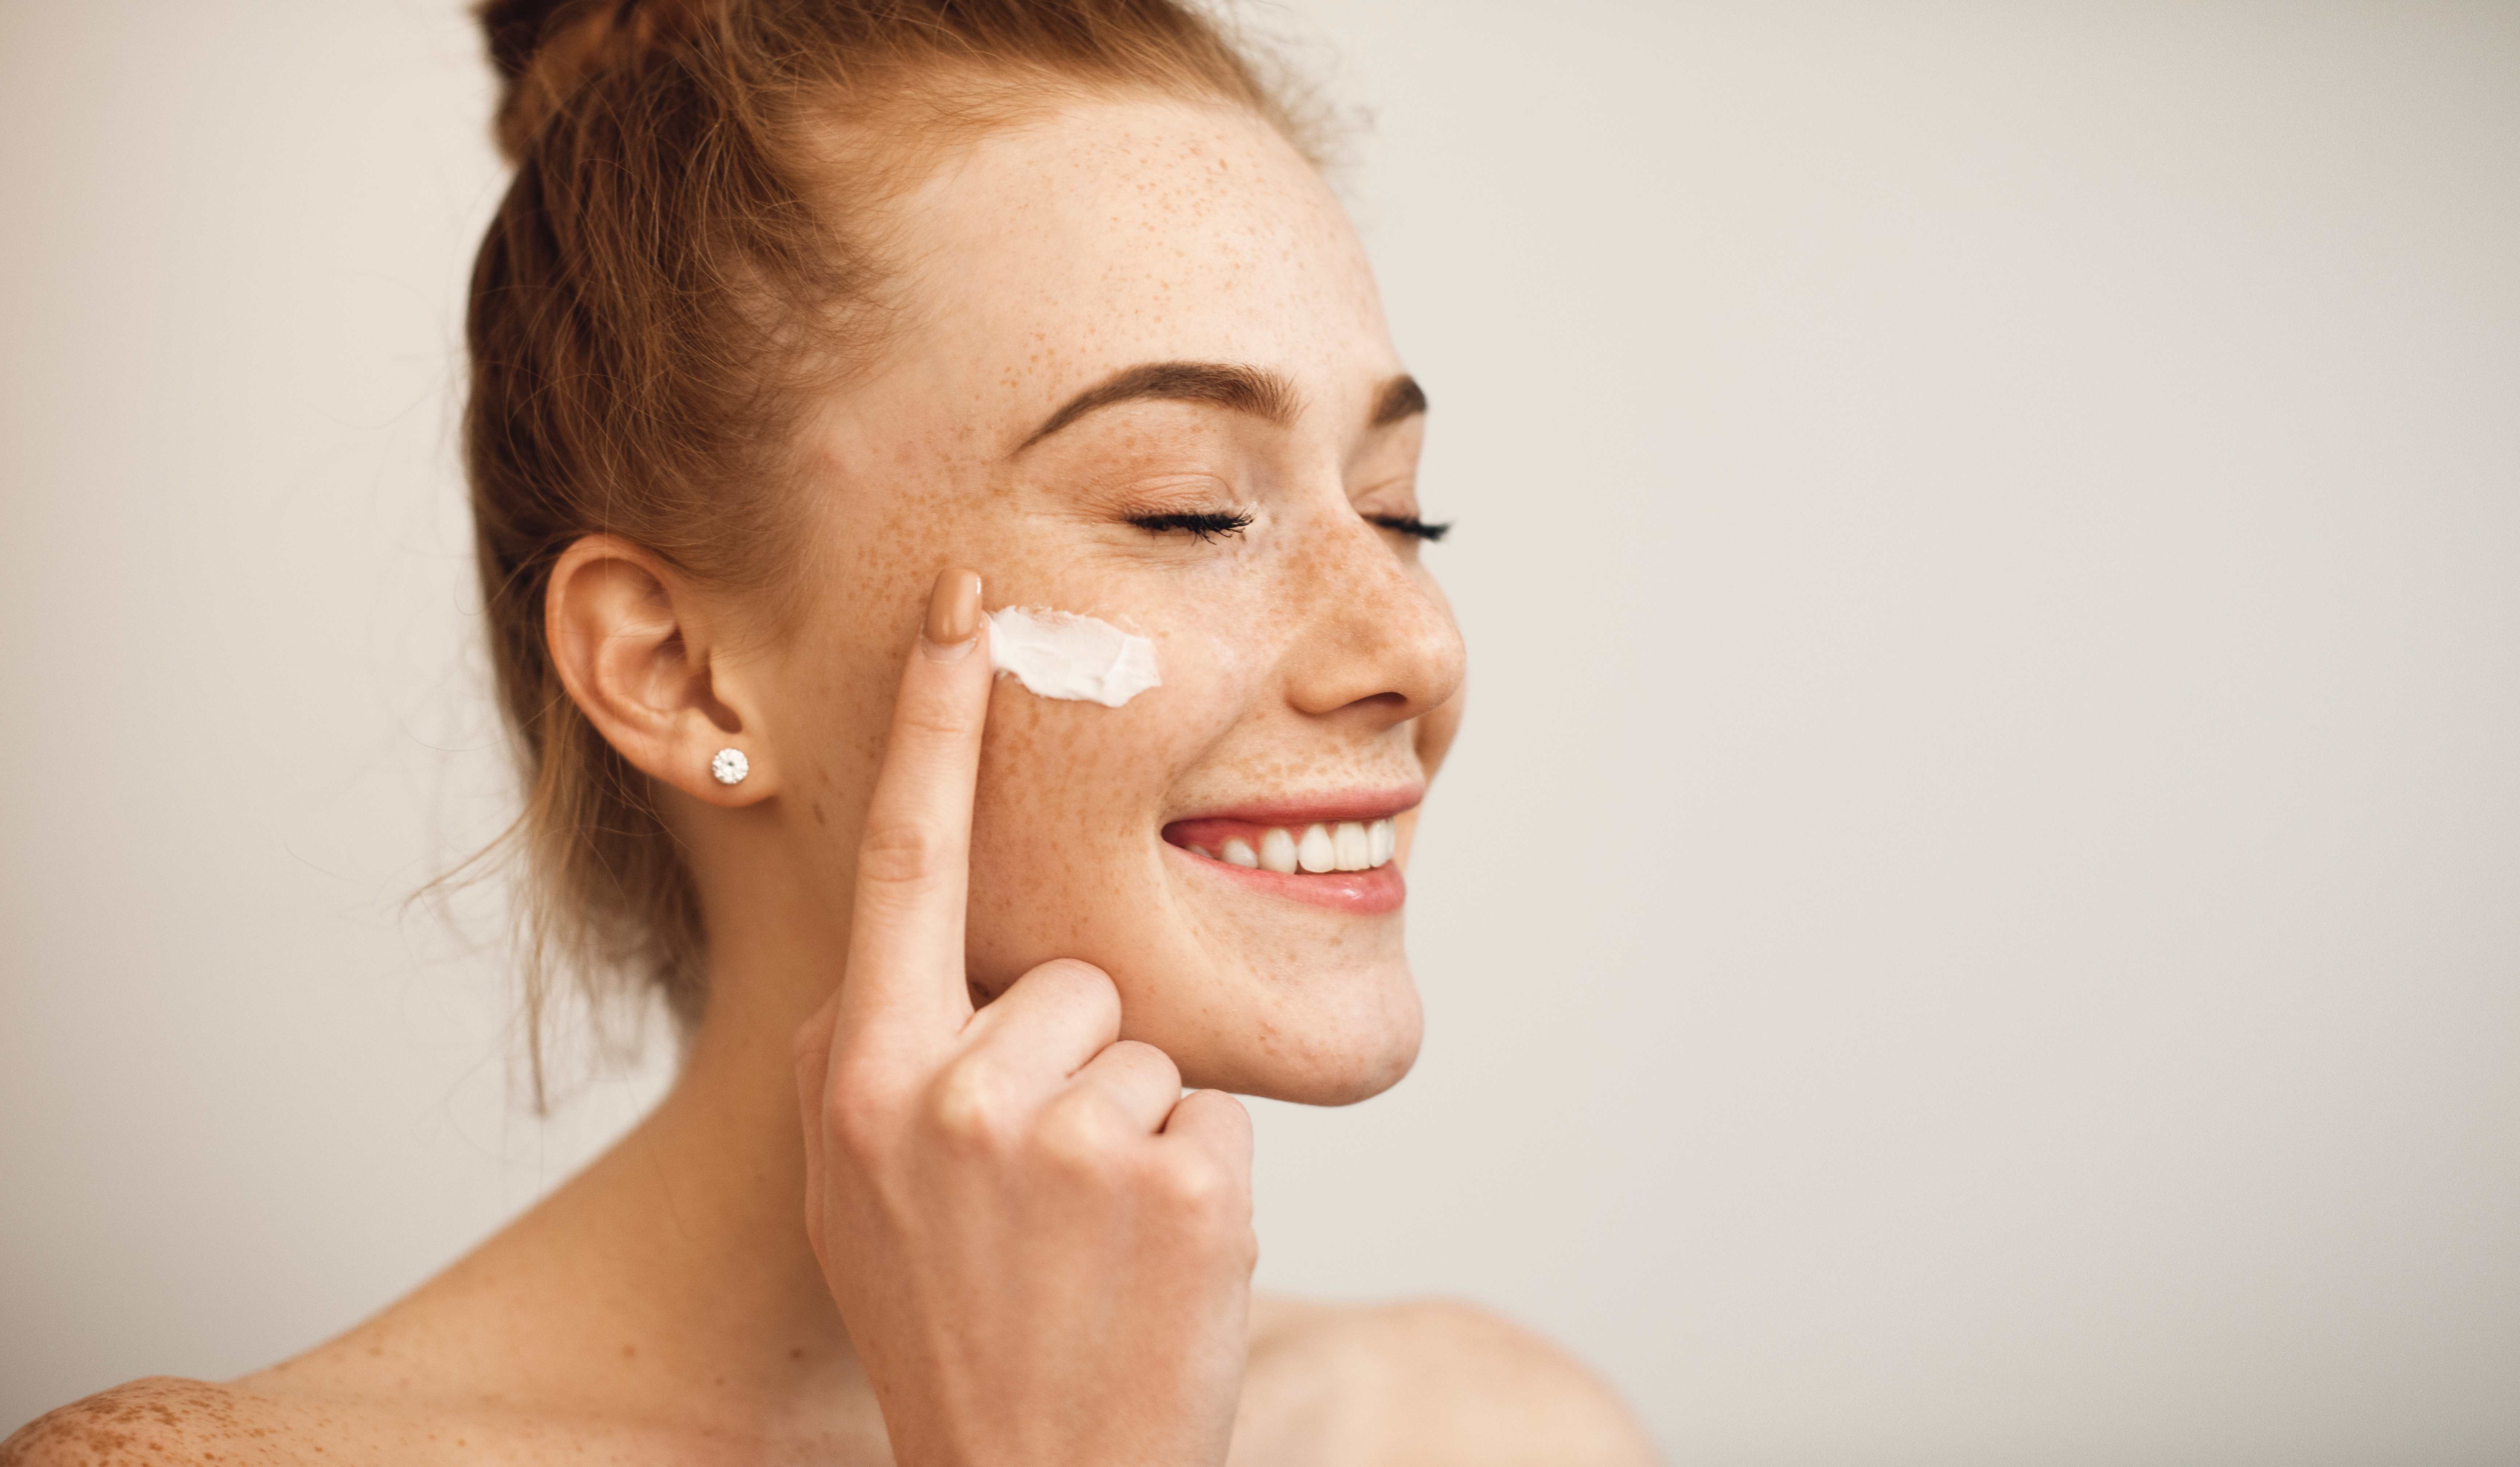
634,644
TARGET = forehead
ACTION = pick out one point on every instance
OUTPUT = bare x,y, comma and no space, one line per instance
1112,234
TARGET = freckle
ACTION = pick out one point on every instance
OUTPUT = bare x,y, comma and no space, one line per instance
797,1354
629,1352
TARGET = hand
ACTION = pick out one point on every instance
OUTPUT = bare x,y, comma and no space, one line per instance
1042,1249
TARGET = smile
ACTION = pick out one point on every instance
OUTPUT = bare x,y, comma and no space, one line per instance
1336,852
1321,846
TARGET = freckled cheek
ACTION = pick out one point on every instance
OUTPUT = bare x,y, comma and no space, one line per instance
1078,770
1078,783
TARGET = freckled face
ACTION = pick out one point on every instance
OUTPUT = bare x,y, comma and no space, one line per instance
1310,665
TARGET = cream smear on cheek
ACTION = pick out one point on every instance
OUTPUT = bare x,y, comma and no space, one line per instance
1061,654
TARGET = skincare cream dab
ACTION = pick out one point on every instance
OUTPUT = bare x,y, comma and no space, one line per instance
1059,655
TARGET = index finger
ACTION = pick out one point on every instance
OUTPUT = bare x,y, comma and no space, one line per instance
905,965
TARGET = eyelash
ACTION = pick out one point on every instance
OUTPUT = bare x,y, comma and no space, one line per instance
1202,526
1206,526
1411,524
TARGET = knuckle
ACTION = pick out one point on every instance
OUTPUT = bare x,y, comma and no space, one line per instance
933,719
1078,1138
861,1099
855,1115
1200,1191
972,1110
901,852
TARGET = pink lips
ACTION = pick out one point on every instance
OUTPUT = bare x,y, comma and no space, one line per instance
1221,844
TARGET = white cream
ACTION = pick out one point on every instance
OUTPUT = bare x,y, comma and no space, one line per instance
1061,654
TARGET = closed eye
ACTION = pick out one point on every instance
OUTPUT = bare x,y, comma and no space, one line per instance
1205,525
1411,524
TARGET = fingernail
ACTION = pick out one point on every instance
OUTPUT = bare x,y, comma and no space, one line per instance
953,613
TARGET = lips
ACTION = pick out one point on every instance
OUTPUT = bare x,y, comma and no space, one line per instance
1335,852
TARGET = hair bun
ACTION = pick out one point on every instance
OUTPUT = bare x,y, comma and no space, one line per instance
545,50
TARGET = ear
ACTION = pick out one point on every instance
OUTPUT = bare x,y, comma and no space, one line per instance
633,642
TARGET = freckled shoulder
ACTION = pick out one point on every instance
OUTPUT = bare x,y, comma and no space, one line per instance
1437,1381
160,1419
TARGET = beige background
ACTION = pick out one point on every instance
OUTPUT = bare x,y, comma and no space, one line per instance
1977,919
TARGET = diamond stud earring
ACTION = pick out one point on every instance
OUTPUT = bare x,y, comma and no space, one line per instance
730,767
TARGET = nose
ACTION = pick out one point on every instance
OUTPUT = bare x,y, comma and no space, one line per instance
1377,641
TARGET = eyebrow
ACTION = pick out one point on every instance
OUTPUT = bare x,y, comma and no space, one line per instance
1244,389
1401,398
1255,390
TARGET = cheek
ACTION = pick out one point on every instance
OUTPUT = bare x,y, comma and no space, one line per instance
831,708
1066,851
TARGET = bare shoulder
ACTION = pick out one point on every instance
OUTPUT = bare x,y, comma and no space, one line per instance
1433,1381
157,1419
290,1413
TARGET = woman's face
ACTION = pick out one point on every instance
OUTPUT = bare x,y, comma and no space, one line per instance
1311,668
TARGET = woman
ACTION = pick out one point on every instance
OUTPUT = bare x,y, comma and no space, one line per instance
814,342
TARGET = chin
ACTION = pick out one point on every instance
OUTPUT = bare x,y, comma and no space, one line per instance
1303,995
1334,1054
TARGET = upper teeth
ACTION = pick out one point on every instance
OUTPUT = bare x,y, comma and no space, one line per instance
1347,846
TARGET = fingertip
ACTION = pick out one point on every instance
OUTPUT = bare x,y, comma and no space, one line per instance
1222,1104
1215,1121
1085,973
953,614
1078,982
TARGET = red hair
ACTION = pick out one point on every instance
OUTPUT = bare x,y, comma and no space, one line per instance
687,250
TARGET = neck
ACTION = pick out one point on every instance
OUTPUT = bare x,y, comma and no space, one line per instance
713,1184
685,1241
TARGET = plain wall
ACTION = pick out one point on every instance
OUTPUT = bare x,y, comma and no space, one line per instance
1976,918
